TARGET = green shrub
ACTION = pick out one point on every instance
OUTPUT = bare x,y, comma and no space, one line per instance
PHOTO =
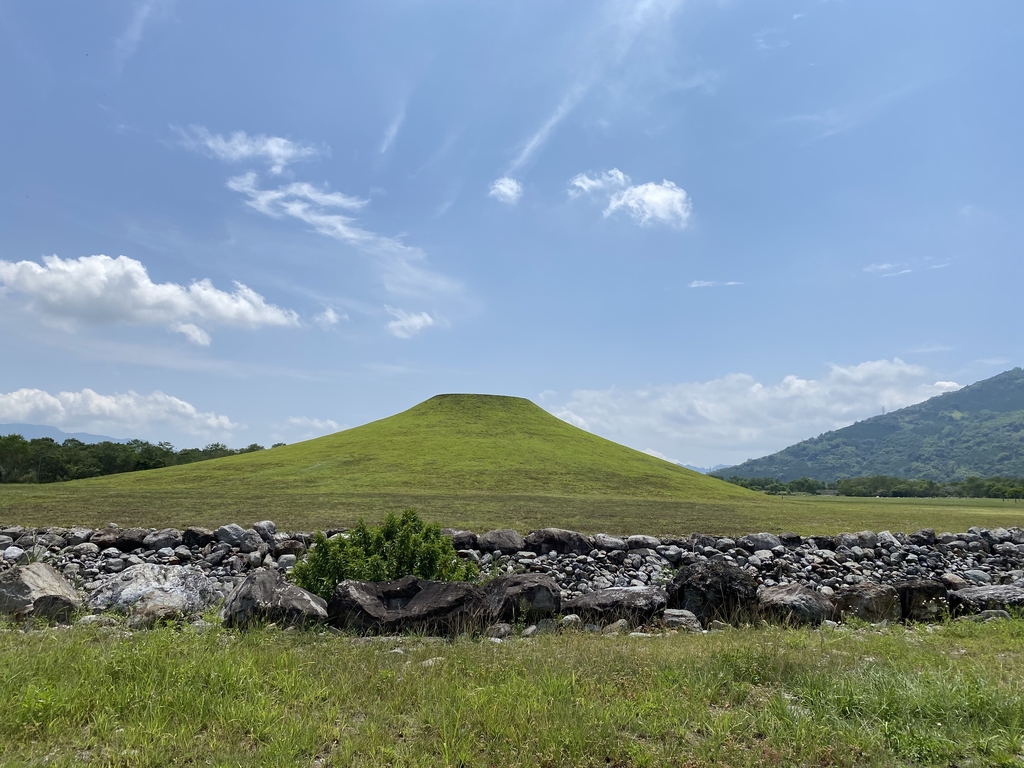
401,546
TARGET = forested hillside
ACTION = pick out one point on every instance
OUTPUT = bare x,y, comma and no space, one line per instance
975,431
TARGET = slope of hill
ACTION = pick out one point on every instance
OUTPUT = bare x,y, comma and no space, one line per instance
483,452
977,430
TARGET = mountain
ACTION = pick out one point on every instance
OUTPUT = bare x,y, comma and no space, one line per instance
32,431
705,470
977,430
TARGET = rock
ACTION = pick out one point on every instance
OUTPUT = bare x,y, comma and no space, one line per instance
557,540
887,541
642,542
462,539
5,542
992,597
528,596
498,631
791,540
284,562
608,543
636,605
104,538
251,542
168,538
794,604
714,591
923,538
504,539
954,582
677,618
978,577
530,631
755,541
266,530
86,549
78,536
407,605
149,593
870,602
868,539
921,599
231,534
571,621
130,539
616,627
265,597
37,590
15,554
291,547
197,537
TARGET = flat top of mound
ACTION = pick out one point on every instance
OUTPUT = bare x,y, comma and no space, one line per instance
449,444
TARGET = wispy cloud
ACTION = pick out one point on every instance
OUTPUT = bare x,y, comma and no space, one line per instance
391,132
649,203
146,13
408,324
506,190
276,151
712,283
880,267
837,120
329,318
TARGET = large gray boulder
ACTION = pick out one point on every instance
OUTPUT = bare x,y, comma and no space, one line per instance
714,591
794,604
529,596
265,597
168,537
636,605
230,534
408,604
986,598
558,540
609,543
505,539
869,602
150,593
922,599
754,541
37,590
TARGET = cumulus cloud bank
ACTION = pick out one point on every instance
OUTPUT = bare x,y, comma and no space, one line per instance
736,417
124,413
100,290
276,151
649,203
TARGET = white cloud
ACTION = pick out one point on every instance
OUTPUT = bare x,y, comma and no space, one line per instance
408,324
99,290
146,12
880,267
276,151
711,283
402,264
392,130
736,417
506,190
584,184
646,203
329,318
124,413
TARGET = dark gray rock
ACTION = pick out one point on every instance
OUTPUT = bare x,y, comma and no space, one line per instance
168,537
558,540
195,537
531,596
407,605
637,605
869,602
37,590
265,597
754,541
292,547
794,604
990,597
608,543
642,542
231,533
922,599
713,591
266,529
105,538
463,539
130,539
505,539
251,542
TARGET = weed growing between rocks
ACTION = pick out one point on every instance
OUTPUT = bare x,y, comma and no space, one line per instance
948,694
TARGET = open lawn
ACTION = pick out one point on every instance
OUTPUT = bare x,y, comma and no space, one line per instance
948,695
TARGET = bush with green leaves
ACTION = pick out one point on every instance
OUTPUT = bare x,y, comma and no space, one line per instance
401,546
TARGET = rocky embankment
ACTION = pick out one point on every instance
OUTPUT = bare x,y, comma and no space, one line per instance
592,582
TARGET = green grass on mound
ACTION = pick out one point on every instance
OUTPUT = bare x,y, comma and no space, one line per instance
915,696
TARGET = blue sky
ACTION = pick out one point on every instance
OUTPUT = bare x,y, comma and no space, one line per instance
703,229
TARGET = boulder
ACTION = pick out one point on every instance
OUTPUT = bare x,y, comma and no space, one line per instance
530,596
231,534
754,541
78,536
5,542
105,537
642,542
265,597
251,542
292,547
794,604
37,590
150,593
558,540
922,599
608,543
713,591
407,605
677,618
989,597
504,539
637,605
923,538
954,581
869,602
168,537
130,539
15,554
266,529
196,537
463,539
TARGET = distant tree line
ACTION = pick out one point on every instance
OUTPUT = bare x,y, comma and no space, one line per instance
44,460
890,487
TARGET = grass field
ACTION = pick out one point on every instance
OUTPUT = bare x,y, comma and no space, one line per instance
471,461
952,695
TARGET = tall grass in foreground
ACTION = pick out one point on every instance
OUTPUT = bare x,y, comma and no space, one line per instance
953,695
